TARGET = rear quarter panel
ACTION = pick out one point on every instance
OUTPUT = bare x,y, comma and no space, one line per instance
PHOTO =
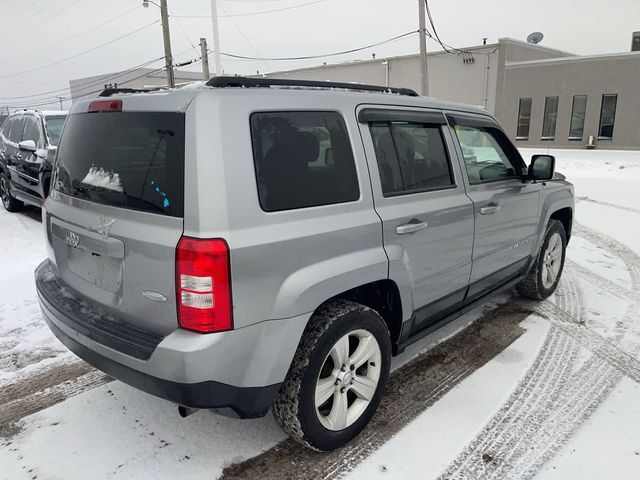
284,263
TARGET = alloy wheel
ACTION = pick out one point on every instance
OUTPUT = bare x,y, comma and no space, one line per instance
552,261
4,191
348,380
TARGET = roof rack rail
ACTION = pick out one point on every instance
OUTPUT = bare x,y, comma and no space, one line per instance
248,82
107,92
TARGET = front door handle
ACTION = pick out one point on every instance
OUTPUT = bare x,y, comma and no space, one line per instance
488,209
413,226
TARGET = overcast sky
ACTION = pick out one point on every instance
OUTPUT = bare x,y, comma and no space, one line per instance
34,33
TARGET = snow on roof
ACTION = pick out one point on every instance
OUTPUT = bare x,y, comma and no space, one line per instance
54,113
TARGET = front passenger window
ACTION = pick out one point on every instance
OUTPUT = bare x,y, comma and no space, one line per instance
32,132
488,154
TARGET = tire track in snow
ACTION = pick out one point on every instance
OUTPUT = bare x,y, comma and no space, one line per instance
520,416
47,388
539,434
411,389
607,204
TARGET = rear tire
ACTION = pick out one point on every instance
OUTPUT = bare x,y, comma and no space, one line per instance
8,201
543,278
337,376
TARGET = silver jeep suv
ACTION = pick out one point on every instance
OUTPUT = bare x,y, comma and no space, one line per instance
258,243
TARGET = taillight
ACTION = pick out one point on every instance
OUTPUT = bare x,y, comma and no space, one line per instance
203,285
105,106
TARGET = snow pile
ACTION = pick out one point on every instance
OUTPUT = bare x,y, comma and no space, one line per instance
99,177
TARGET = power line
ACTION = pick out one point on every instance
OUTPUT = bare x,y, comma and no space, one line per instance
69,38
12,19
32,26
81,53
84,95
94,83
86,84
311,57
235,24
292,7
468,57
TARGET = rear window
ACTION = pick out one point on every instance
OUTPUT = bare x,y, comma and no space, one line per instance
302,159
124,159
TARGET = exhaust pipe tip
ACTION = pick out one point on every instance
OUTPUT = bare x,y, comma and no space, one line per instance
186,411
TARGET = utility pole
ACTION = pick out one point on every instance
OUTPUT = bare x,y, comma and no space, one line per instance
424,79
216,37
168,58
204,53
60,99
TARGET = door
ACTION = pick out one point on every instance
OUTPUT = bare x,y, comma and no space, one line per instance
10,150
427,218
29,163
505,207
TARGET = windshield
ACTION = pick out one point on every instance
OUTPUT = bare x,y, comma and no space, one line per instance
125,159
54,129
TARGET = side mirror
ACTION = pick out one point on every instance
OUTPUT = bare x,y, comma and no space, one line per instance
542,167
27,145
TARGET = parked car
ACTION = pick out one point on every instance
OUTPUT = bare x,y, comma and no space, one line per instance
261,243
28,141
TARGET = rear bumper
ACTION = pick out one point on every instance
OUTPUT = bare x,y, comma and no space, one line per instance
241,402
237,373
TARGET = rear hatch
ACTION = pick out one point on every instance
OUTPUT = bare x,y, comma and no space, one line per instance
116,213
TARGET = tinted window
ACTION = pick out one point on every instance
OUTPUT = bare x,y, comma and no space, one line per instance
550,117
32,131
607,116
302,159
17,126
578,111
128,160
54,129
488,154
411,157
6,128
524,119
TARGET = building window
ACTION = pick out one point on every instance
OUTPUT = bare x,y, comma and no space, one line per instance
550,117
578,111
524,119
607,116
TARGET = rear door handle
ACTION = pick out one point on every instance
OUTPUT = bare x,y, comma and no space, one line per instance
488,209
413,226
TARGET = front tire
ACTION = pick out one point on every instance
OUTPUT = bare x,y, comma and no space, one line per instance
10,204
543,278
337,376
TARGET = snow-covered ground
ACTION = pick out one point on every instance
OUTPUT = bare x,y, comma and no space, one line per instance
548,391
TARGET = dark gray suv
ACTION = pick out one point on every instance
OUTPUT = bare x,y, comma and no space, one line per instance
258,243
28,141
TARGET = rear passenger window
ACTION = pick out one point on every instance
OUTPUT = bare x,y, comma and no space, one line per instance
302,159
412,157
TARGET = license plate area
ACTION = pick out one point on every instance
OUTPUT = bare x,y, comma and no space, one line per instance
95,258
